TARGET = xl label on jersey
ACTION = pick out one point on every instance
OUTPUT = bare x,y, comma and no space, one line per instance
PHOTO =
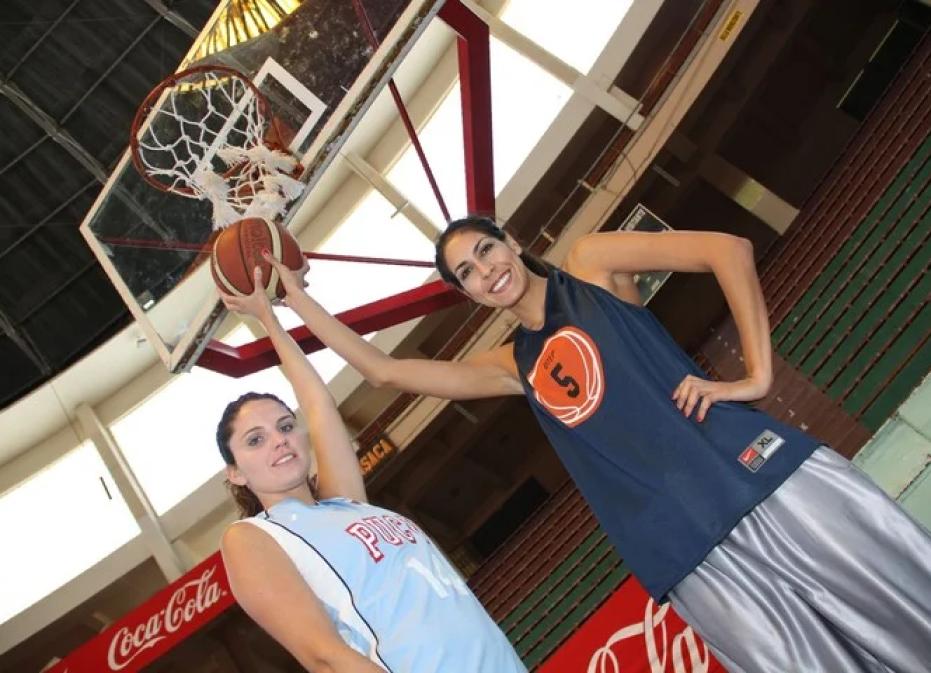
568,377
760,450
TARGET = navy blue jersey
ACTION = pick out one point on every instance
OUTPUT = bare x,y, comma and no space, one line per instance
600,375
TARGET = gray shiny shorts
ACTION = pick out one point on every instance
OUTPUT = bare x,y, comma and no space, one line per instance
827,574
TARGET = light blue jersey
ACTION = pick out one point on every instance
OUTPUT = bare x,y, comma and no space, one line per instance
390,592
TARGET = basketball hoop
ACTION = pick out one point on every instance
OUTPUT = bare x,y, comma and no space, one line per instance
207,133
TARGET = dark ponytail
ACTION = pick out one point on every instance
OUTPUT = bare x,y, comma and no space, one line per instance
482,225
246,501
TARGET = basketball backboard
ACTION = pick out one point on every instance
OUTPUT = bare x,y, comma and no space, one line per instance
319,73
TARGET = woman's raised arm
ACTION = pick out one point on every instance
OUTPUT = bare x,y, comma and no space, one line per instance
730,258
338,472
489,374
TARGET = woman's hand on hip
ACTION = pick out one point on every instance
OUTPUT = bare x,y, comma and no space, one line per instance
695,393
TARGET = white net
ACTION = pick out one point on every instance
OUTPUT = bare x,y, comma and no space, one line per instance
205,138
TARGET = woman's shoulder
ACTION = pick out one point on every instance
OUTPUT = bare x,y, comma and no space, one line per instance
577,267
244,527
619,285
577,262
249,540
244,537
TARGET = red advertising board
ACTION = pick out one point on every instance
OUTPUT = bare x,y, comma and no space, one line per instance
156,626
630,633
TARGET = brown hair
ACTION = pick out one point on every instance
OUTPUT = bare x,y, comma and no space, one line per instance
247,502
482,225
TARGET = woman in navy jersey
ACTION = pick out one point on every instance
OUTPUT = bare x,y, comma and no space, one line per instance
345,586
778,551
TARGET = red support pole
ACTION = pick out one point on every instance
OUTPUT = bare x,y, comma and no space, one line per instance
475,89
387,261
238,361
175,246
402,110
475,86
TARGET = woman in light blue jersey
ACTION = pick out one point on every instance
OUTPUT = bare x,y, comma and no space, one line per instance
778,551
345,586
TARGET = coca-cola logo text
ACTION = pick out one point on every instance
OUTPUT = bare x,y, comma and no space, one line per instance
658,646
188,600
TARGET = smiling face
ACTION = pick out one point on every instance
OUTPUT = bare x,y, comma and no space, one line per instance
490,270
271,450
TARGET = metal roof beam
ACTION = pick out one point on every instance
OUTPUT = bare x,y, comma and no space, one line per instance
617,103
25,344
38,225
106,73
22,155
62,286
76,150
475,92
35,45
150,524
53,129
401,203
173,17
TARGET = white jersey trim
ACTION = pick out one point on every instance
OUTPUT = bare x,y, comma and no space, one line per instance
325,581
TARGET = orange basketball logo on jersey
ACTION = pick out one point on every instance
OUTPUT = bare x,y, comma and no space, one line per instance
568,377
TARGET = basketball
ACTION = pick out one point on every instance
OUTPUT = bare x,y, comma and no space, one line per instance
238,250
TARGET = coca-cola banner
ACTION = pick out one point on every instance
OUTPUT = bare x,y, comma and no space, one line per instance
630,633
156,626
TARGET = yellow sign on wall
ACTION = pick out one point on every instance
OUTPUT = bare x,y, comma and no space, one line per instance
375,455
730,25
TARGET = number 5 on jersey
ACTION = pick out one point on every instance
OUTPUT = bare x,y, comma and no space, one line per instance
568,377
